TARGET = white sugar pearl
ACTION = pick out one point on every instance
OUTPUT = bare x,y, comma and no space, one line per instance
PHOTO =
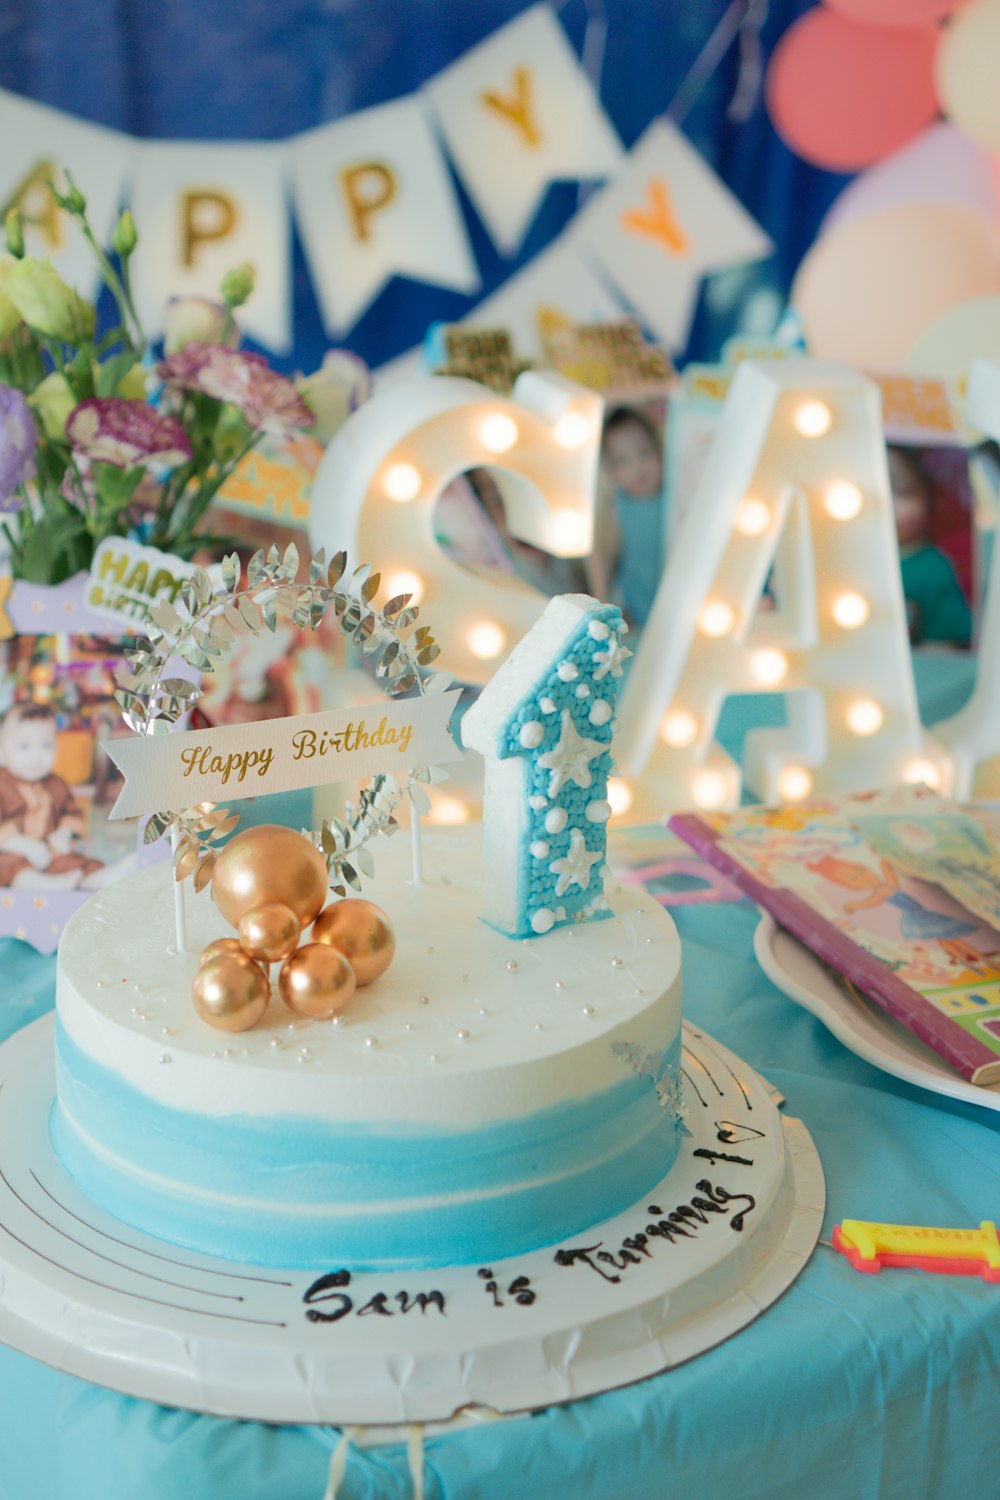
542,920
537,802
598,630
531,734
547,705
539,849
567,671
597,812
583,691
600,712
555,820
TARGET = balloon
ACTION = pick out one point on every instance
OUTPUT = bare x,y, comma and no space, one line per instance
947,348
843,95
894,12
940,165
867,291
967,72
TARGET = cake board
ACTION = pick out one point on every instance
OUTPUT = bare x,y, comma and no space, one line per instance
694,1261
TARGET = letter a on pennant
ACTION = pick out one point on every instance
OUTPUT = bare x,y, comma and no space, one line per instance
33,197
794,498
519,108
659,220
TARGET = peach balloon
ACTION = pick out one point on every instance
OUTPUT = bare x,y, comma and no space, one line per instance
316,982
231,992
265,864
362,932
967,72
867,291
270,932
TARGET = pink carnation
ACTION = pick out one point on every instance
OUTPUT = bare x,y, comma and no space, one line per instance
127,434
243,380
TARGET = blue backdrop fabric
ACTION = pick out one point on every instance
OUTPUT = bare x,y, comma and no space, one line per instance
869,1387
212,70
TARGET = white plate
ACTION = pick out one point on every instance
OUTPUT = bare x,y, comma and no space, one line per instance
857,1022
84,1292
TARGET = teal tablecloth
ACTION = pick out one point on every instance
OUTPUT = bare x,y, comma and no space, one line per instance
850,1387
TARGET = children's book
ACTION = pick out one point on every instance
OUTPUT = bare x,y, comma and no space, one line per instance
895,891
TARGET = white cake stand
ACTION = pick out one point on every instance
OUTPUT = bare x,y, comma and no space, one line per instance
732,1225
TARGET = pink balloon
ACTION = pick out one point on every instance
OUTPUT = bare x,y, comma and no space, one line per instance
867,291
844,95
894,12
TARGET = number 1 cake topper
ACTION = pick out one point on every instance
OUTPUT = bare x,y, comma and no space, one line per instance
200,626
544,726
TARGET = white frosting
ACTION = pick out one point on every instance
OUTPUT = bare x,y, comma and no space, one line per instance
124,997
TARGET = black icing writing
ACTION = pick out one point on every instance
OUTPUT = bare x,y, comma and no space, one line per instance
519,1289
714,1156
327,1300
681,1223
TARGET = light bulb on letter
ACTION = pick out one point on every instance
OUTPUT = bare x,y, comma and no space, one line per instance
486,640
842,500
709,789
753,517
571,430
499,433
813,418
619,795
850,610
679,728
716,618
864,716
923,772
404,581
794,783
402,482
769,667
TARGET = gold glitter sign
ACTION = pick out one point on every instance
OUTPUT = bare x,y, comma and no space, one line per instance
233,761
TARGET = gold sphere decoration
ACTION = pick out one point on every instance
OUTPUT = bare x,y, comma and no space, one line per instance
266,864
218,947
231,992
316,982
269,933
362,932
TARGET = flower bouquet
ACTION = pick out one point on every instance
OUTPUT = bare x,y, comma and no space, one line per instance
98,438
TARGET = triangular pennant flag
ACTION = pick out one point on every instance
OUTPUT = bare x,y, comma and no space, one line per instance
202,209
666,221
518,113
374,200
557,283
40,144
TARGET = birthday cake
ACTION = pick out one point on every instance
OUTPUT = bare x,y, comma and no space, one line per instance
508,1082
483,1097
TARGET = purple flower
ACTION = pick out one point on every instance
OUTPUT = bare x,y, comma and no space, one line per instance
243,380
127,434
18,436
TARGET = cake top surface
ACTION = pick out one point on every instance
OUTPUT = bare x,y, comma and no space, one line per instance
460,998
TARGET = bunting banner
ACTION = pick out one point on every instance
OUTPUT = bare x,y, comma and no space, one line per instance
203,208
518,113
374,200
40,145
666,221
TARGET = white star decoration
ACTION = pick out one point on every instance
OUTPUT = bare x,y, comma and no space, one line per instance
574,867
569,760
611,658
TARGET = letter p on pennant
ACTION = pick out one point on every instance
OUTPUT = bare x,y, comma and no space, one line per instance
658,221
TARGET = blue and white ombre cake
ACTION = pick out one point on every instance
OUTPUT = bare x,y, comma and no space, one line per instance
544,726
486,1096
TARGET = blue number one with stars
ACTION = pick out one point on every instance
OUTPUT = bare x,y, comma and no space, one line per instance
544,726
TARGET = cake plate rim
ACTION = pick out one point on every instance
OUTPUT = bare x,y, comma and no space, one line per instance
593,1324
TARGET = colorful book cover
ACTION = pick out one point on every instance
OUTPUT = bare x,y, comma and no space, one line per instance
904,941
